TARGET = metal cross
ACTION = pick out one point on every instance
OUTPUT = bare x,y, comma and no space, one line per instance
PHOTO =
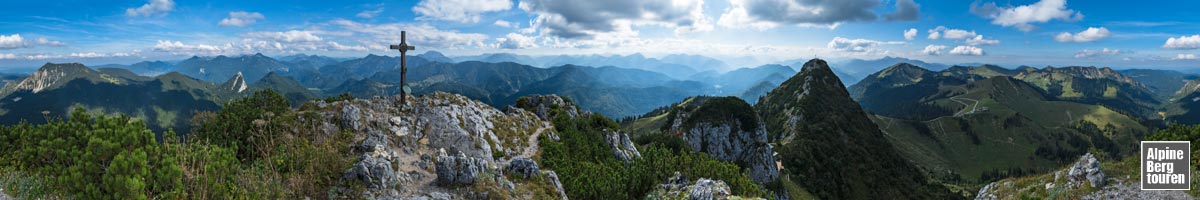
404,48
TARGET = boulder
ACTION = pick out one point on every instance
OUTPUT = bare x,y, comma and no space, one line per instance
459,170
374,170
523,166
541,105
1086,169
350,117
706,189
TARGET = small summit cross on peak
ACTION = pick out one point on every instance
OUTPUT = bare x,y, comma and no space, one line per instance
403,47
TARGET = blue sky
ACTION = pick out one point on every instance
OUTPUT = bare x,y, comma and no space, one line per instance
1120,34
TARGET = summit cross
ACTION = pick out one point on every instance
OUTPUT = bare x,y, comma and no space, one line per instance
404,48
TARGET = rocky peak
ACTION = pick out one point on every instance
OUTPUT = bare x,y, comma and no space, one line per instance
52,74
812,116
237,83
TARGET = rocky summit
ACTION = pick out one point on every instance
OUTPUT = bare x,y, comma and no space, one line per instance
438,146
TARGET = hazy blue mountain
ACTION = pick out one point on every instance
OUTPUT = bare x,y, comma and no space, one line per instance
499,58
1163,83
859,68
144,68
337,74
435,56
302,61
221,68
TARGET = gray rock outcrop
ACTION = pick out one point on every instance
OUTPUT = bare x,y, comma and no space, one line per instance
523,166
1086,169
459,170
725,138
622,147
543,104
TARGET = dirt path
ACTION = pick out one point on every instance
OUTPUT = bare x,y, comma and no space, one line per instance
533,142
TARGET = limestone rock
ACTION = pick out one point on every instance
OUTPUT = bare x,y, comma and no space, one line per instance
1086,169
459,170
523,166
621,146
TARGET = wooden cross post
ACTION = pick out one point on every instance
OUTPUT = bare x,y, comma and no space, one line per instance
404,48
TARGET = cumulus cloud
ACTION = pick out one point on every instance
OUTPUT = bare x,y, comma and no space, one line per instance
933,49
1089,35
588,18
1185,56
906,10
766,14
949,33
506,24
516,41
1086,53
153,8
1182,42
241,18
369,13
910,34
857,45
16,41
8,56
292,36
12,41
1023,17
967,50
375,36
979,41
465,11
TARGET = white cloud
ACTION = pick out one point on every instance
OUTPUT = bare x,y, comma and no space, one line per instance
12,41
1089,35
153,8
369,13
292,36
339,47
949,33
241,18
1185,56
505,24
465,11
856,45
1022,17
1086,53
48,42
88,55
582,19
16,41
933,49
766,14
1182,42
377,36
979,41
516,41
8,56
910,34
967,50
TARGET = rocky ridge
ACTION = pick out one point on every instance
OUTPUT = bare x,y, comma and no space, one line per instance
436,147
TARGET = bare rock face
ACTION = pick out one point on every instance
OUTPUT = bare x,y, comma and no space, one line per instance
623,148
1086,169
711,125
